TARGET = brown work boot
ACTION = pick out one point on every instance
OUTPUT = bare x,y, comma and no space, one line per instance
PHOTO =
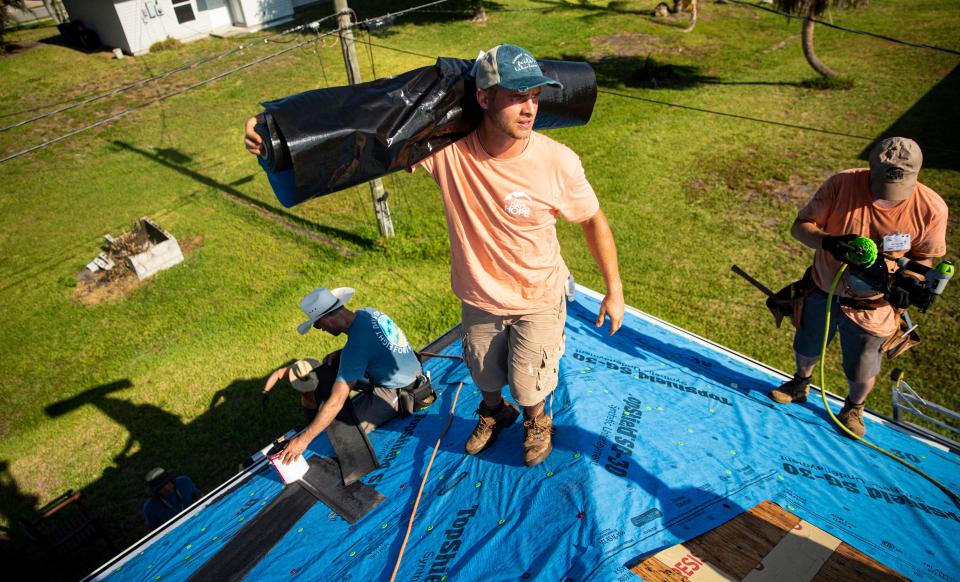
793,390
490,425
537,442
851,416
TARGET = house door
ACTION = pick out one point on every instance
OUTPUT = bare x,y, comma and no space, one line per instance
218,12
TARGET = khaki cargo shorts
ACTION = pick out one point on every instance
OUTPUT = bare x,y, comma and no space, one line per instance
520,350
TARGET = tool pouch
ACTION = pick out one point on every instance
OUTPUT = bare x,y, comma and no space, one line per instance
900,341
788,302
416,397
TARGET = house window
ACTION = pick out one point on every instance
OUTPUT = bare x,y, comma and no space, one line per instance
184,11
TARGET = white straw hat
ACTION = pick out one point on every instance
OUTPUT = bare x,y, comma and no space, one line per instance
320,302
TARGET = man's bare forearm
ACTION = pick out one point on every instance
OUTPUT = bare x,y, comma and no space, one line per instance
604,250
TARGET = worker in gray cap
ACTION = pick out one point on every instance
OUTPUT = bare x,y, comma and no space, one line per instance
886,204
377,362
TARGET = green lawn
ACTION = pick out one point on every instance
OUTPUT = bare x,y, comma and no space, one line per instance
169,375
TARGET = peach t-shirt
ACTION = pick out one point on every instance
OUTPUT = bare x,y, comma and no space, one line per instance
502,215
844,205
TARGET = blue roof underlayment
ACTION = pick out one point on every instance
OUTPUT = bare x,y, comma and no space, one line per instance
660,436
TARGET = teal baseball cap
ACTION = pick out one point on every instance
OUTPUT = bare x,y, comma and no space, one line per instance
511,67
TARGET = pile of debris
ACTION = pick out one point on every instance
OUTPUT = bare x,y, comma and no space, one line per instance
143,251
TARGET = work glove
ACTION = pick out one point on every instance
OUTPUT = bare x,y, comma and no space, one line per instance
831,244
899,298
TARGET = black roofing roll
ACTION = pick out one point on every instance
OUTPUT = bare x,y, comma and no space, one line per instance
323,141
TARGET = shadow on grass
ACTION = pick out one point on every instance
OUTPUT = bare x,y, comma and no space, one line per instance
208,448
933,122
590,9
176,160
590,12
15,546
646,72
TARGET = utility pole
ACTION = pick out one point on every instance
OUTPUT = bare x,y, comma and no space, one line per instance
377,193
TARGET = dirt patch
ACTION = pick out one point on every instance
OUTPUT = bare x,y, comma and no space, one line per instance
795,192
750,194
98,291
122,280
623,44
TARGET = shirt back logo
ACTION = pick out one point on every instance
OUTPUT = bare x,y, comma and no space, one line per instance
390,335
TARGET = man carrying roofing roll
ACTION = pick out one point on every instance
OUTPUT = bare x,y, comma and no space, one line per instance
886,204
377,359
503,186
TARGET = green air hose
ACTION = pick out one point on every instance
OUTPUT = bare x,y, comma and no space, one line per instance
823,379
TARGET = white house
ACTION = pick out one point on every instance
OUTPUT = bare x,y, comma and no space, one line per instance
134,25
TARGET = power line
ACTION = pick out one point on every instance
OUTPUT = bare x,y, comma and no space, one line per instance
141,82
675,105
734,115
391,15
686,107
395,49
853,30
162,97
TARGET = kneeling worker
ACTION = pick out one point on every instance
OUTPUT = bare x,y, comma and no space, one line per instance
377,356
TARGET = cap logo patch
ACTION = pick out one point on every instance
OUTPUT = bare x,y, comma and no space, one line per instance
523,62
894,174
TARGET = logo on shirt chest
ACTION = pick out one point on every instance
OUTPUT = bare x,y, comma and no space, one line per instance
517,204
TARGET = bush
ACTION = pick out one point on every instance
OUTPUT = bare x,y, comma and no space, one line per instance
165,44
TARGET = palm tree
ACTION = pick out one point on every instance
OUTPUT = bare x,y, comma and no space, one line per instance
6,19
809,10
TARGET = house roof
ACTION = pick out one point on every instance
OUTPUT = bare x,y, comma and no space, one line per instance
660,437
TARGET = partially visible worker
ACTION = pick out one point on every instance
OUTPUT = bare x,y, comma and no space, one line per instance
886,204
167,495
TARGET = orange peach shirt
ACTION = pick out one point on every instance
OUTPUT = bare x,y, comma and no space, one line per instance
501,217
